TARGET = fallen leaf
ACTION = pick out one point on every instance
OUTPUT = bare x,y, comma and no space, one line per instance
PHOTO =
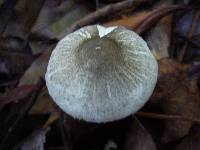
60,28
178,100
16,113
177,94
58,19
23,19
16,25
129,21
45,105
138,138
167,65
36,70
15,95
133,20
156,15
191,141
51,13
42,40
158,41
10,58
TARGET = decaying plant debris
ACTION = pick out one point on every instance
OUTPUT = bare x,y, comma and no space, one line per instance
29,30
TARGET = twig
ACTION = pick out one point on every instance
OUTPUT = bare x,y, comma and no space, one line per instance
25,110
168,117
193,26
105,11
156,15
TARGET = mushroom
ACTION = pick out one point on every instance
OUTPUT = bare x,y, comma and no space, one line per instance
101,74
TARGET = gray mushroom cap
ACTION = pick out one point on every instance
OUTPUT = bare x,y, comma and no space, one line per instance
100,74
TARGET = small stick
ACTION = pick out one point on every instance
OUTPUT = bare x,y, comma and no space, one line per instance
156,15
105,11
164,116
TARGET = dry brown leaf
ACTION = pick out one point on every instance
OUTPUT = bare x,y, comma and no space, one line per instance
36,70
158,41
178,95
191,141
54,116
44,105
51,13
16,94
129,21
156,15
178,99
167,66
23,19
138,138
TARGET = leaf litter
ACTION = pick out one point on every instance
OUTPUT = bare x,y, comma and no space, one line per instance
30,30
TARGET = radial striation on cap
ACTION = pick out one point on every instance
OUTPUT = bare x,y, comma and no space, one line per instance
100,74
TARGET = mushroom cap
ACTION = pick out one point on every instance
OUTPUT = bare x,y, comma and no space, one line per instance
100,74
